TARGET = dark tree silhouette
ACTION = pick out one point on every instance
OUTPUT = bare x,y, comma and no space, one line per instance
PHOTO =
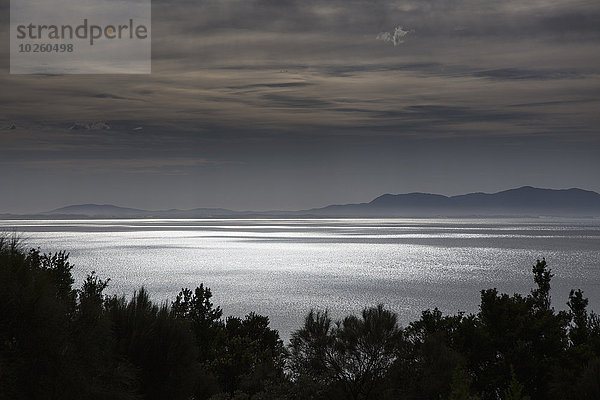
578,333
159,345
57,342
542,276
355,353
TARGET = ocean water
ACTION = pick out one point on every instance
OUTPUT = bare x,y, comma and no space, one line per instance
283,268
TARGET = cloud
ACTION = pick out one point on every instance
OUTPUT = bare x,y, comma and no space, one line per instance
528,74
221,69
397,37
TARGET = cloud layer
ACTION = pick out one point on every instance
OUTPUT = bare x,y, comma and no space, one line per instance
265,92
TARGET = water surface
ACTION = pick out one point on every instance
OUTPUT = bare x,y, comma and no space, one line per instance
282,268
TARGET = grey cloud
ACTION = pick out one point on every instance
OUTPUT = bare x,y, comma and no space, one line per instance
556,103
282,100
271,85
528,74
114,97
435,119
109,96
461,114
573,23
246,79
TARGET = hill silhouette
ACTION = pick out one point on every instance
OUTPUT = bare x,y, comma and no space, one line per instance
112,211
523,201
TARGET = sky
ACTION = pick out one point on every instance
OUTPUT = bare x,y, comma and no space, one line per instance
294,104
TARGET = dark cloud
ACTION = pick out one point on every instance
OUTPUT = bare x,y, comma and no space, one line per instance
300,95
582,24
528,74
114,97
435,114
556,103
281,100
272,85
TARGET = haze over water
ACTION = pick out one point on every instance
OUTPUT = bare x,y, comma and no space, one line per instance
282,268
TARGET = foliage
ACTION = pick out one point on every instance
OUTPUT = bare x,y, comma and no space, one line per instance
353,355
60,342
53,343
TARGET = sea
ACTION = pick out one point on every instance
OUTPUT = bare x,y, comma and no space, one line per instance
283,268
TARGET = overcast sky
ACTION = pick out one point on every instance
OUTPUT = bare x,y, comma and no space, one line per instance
279,104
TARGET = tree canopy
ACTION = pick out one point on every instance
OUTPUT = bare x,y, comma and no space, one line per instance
61,342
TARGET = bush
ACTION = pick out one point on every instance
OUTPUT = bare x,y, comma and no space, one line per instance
57,342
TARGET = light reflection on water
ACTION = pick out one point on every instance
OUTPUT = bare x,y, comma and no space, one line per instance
282,268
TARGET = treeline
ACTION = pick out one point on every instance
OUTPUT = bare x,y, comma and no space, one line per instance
59,342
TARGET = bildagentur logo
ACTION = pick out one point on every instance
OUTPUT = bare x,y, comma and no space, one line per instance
80,37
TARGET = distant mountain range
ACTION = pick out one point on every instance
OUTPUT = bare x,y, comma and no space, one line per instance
111,211
524,201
